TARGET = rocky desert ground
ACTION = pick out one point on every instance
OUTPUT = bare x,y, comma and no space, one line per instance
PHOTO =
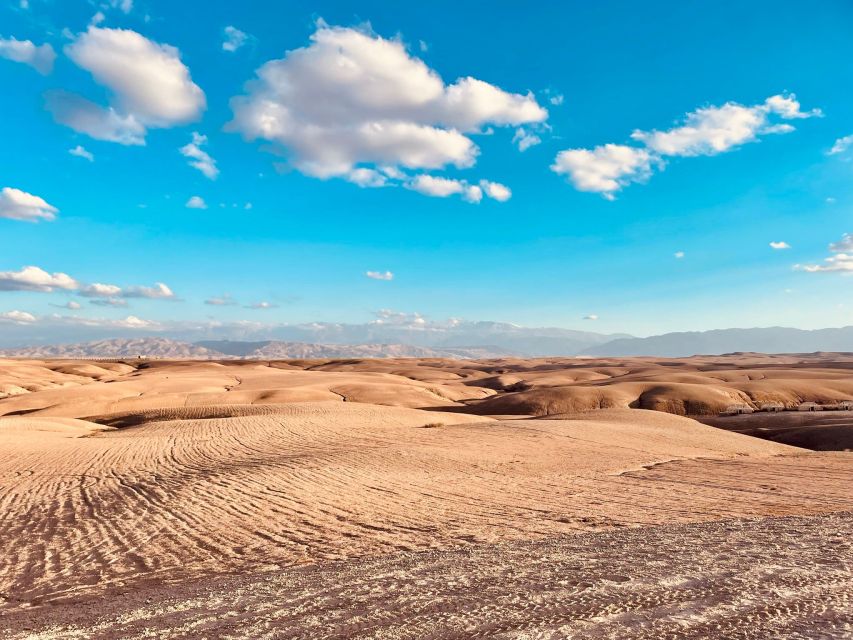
424,498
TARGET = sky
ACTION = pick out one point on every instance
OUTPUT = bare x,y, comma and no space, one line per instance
608,166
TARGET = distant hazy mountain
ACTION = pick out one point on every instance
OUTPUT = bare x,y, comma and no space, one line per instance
508,338
223,349
766,340
498,338
117,348
275,349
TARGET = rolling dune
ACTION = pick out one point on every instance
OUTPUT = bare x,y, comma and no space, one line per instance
122,479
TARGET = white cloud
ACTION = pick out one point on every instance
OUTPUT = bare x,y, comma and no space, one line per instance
84,116
40,58
20,205
36,279
221,301
261,305
399,318
780,245
380,275
496,191
840,262
605,169
706,131
712,130
843,245
365,177
158,291
436,187
196,202
841,145
18,317
114,292
591,316
150,86
98,290
556,100
81,152
234,39
525,139
353,100
199,158
439,187
678,255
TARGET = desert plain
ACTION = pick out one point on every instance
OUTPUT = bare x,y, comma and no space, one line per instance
426,498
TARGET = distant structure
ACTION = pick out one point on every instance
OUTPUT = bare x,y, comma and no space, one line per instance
737,409
810,406
845,405
772,407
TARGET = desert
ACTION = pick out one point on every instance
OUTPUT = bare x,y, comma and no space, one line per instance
517,498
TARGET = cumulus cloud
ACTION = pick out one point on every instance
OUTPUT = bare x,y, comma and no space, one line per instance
98,290
707,131
196,202
439,187
20,205
36,279
40,58
353,100
712,130
840,262
234,39
841,145
604,169
18,317
496,190
780,245
159,292
380,275
199,158
81,152
149,85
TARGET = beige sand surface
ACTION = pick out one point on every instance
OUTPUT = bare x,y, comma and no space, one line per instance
123,479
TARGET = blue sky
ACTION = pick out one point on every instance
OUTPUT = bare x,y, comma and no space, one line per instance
388,140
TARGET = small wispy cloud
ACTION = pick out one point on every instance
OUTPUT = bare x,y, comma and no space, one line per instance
81,152
841,145
196,202
591,316
678,255
234,39
779,245
199,158
262,305
379,275
840,262
221,301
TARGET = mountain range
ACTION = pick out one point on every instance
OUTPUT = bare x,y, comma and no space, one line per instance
471,341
